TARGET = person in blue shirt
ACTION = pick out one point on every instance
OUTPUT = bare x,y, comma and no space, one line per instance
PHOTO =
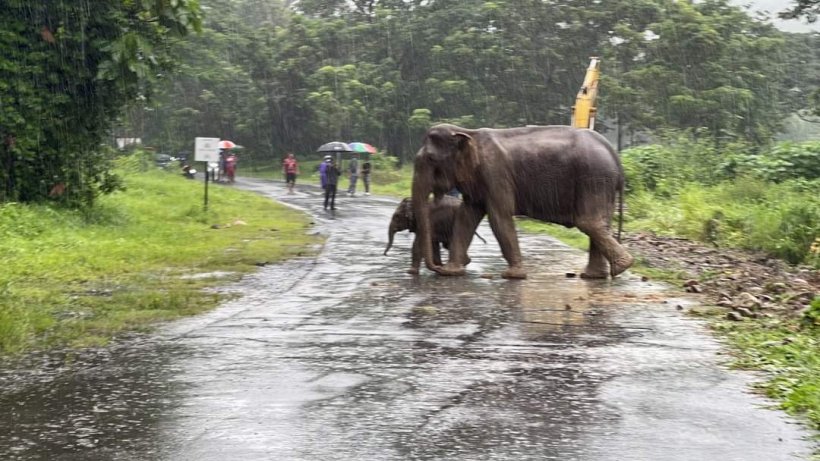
323,171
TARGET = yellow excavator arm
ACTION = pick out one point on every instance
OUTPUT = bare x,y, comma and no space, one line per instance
583,112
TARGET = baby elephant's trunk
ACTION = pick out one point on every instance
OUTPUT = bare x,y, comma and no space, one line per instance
390,235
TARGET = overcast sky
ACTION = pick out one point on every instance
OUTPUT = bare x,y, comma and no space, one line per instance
776,6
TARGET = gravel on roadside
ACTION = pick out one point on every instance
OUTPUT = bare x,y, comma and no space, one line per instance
747,284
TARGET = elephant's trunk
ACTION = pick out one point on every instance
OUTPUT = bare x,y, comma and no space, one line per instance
390,235
422,187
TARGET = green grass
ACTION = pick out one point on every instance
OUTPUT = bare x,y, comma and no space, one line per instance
72,278
787,350
572,237
392,182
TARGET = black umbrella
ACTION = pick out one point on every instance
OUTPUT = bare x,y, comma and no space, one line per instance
334,146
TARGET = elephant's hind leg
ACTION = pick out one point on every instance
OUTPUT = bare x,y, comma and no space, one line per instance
602,243
621,264
597,266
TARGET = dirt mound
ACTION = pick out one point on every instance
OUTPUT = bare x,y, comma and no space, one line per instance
750,284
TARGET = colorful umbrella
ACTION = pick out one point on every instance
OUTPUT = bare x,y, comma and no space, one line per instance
225,144
362,147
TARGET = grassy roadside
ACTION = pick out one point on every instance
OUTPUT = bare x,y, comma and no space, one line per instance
787,350
70,278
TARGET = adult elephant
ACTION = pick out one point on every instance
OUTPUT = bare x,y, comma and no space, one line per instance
556,174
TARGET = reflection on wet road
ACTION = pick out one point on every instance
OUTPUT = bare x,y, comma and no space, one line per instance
345,357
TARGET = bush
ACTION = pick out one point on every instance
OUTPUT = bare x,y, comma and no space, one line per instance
811,317
683,159
729,197
780,219
384,169
786,161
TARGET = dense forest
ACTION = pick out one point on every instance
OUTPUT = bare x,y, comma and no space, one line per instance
288,76
278,77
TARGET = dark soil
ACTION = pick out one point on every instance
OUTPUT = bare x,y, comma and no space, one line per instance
746,284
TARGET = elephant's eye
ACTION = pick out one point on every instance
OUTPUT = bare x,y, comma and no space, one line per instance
437,137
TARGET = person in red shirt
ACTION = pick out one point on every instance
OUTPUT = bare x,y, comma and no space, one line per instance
230,167
290,168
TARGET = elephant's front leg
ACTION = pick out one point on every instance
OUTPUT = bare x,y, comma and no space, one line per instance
414,268
466,221
503,227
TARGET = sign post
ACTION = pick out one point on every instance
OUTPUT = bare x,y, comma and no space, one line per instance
206,150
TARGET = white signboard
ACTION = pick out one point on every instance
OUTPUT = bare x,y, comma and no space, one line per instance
206,150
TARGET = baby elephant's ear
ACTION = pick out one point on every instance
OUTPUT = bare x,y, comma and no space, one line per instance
408,208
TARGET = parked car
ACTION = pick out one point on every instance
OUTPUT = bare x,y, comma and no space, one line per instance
163,160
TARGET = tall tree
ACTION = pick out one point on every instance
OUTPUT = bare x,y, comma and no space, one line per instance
382,71
706,67
67,69
809,9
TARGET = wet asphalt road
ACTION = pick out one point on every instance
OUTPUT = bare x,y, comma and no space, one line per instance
345,357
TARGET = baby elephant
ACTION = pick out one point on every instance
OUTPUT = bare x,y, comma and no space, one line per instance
442,216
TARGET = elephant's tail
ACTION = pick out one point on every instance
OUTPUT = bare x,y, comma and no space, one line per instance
621,209
482,238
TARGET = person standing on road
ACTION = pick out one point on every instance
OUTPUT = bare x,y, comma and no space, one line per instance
353,168
366,177
230,167
323,171
332,173
290,168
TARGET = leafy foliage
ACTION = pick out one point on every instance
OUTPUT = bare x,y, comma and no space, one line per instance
811,317
786,161
66,71
808,8
665,168
276,79
763,202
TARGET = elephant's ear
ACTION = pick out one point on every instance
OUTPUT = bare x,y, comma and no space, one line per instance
408,209
411,219
407,215
467,159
